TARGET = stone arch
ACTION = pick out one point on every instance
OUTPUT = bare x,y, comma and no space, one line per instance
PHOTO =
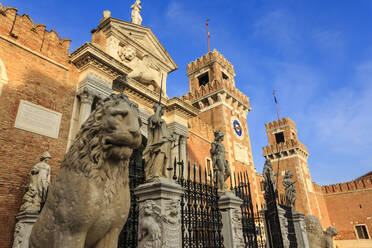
3,75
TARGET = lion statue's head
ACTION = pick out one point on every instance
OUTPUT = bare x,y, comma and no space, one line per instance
127,53
110,133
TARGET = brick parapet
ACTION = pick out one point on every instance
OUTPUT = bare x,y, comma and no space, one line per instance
355,185
285,146
207,59
280,123
22,30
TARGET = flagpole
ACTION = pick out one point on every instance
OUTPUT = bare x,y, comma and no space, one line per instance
209,49
276,104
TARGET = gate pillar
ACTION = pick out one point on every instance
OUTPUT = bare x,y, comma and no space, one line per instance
300,229
232,233
159,221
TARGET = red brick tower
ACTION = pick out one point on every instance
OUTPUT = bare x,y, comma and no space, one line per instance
222,107
286,152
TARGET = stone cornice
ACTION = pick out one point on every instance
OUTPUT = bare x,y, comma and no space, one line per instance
285,149
88,55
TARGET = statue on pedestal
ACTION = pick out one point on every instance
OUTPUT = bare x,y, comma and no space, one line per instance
290,190
37,190
88,203
157,154
221,169
136,10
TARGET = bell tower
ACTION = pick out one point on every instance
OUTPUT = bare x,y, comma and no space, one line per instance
222,107
286,152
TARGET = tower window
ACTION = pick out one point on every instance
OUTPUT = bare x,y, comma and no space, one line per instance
203,79
224,76
279,137
362,232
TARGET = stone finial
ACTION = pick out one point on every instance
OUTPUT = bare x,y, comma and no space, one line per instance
136,12
106,14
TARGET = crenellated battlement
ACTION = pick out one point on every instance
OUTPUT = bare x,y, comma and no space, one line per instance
286,148
280,123
358,184
23,31
209,58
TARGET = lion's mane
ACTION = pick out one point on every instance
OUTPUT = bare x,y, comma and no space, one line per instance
86,155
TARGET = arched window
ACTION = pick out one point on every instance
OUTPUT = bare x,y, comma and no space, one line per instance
3,76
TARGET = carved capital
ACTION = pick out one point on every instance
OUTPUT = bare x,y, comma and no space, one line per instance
86,96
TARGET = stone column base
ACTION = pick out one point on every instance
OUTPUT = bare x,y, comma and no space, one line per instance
159,221
23,228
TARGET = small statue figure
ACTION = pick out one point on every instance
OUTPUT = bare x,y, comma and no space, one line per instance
136,10
157,153
290,190
149,225
221,169
37,189
268,174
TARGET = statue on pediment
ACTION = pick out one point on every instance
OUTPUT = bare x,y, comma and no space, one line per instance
143,70
136,12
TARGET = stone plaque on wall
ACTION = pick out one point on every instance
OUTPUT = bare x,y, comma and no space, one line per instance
37,119
241,153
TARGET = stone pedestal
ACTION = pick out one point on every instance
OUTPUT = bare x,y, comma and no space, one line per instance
25,222
300,229
229,205
283,219
159,222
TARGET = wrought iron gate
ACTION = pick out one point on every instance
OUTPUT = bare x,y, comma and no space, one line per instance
200,216
252,221
128,236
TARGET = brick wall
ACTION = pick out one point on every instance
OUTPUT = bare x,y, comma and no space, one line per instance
349,204
37,67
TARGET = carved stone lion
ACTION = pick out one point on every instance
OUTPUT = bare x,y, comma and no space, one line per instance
315,234
144,71
88,203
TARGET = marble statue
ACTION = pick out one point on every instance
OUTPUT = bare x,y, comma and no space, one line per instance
37,189
157,154
144,70
290,190
149,225
89,201
315,234
136,12
221,169
268,175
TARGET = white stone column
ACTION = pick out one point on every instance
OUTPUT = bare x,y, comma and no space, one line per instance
229,205
159,221
86,100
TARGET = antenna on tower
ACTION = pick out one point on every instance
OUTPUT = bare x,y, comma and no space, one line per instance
208,36
276,104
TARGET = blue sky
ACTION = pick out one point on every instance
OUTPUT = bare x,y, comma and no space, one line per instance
317,54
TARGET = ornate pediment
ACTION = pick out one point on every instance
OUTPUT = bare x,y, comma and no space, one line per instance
120,33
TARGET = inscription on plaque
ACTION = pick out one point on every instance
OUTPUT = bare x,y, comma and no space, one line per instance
37,119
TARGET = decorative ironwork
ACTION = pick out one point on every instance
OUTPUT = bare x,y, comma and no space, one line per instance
252,222
200,217
129,235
